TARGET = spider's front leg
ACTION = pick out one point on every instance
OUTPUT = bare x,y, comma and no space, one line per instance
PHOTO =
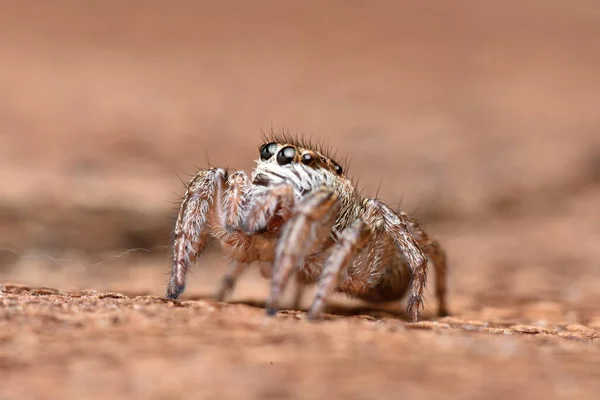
308,228
203,192
276,201
239,224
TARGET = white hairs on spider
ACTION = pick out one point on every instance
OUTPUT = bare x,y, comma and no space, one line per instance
304,179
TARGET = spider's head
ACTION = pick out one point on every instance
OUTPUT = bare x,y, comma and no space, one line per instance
298,163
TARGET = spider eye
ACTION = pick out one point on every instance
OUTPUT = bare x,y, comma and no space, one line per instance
307,158
267,151
338,169
286,155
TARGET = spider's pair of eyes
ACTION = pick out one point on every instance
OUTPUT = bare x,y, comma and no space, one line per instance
284,156
287,154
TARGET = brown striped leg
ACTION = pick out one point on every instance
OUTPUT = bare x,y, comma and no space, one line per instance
352,240
437,255
307,229
439,259
234,197
229,280
396,225
277,200
202,198
299,290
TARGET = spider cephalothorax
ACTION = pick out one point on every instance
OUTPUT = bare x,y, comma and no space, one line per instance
300,214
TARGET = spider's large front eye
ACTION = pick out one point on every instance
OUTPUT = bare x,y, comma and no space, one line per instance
267,151
286,155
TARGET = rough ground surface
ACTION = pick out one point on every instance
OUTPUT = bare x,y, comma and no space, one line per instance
483,118
99,345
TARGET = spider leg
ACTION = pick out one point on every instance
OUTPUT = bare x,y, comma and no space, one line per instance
299,290
437,255
229,280
396,225
351,241
275,201
239,224
191,228
234,198
379,275
308,228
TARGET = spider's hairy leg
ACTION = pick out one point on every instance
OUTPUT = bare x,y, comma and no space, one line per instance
299,290
276,200
307,229
396,225
233,200
351,241
437,255
239,222
229,280
381,273
191,228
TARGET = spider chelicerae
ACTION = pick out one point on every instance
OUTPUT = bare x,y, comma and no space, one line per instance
301,216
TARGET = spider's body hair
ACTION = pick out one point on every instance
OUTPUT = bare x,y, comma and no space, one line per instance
308,178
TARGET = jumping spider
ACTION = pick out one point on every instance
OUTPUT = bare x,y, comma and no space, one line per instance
299,213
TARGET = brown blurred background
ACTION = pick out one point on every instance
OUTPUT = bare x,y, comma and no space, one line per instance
482,117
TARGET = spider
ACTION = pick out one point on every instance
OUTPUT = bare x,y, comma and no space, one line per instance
301,216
